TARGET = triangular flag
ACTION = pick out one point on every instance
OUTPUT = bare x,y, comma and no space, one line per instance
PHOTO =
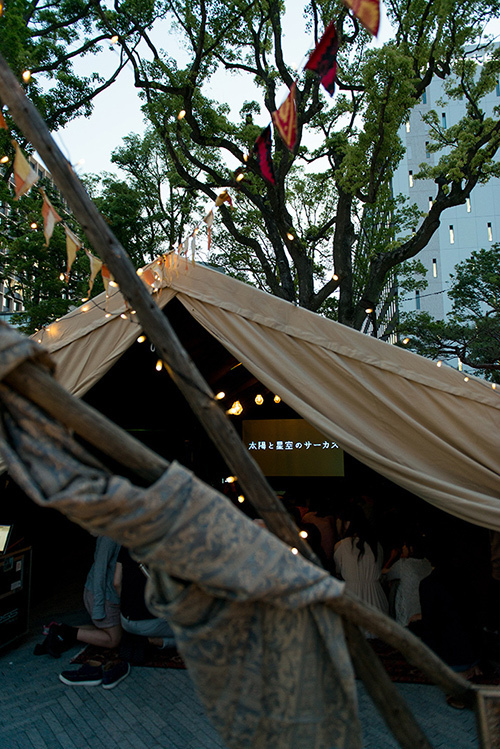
224,197
368,13
323,59
285,119
50,217
73,244
24,175
3,124
106,277
95,267
209,220
262,154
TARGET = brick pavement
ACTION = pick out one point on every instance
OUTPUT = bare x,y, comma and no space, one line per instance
158,709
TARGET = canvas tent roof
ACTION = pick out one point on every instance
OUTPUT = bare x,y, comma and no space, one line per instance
421,426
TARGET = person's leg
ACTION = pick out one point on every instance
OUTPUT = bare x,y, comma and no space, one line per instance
108,637
158,631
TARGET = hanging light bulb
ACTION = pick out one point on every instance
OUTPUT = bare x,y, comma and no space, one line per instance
159,365
114,39
241,499
124,316
335,277
494,385
220,395
62,277
230,479
303,534
290,236
26,75
4,159
33,225
259,399
277,399
236,409
405,341
141,339
108,314
294,550
466,379
369,310
85,309
181,114
439,363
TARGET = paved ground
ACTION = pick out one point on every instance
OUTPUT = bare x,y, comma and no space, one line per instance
157,709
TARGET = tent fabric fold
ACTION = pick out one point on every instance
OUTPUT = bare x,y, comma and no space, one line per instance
423,427
265,651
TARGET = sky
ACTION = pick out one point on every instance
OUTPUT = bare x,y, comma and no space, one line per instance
89,143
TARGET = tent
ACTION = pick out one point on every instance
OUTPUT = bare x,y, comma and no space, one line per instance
427,428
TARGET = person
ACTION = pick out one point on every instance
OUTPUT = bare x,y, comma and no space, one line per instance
404,576
358,557
130,583
103,606
320,515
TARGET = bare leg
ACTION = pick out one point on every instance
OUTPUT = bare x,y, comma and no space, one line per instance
103,638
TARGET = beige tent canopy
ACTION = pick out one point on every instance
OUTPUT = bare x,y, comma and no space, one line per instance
422,426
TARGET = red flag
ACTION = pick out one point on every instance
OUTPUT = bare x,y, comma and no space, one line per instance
3,124
262,154
323,59
285,119
368,13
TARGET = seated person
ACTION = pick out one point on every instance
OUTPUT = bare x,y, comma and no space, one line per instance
404,576
136,619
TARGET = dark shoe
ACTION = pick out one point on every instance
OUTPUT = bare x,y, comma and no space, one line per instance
113,673
88,675
60,638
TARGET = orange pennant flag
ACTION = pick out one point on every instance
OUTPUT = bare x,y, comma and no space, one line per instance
224,197
95,267
368,13
24,175
50,217
285,119
3,123
73,244
107,278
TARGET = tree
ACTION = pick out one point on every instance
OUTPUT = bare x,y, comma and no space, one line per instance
326,236
471,332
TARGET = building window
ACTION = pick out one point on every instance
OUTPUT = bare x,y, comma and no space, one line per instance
443,119
408,126
417,299
434,268
452,235
467,203
410,178
424,97
490,233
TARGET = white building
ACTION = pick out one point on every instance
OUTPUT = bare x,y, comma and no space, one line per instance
464,228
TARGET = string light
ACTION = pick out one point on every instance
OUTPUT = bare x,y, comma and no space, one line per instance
240,177
494,385
34,225
159,365
290,236
85,299
277,399
4,159
406,340
62,277
124,316
369,310
241,499
181,114
26,75
303,534
113,284
85,309
230,479
466,379
294,550
236,409
114,39
220,396
439,363
141,339
108,314
335,277
259,399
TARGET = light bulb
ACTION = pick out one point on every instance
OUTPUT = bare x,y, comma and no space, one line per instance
159,365
259,399
277,399
4,159
181,114
141,339
26,75
439,363
294,550
303,534
230,479
220,396
241,499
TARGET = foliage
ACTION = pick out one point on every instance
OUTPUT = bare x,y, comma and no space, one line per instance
471,332
328,235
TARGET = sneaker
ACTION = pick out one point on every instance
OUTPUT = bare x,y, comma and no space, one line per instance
88,675
113,673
